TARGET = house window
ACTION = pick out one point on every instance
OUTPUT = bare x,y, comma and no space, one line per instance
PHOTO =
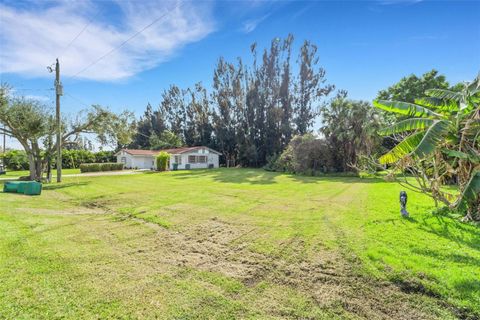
197,159
123,160
178,159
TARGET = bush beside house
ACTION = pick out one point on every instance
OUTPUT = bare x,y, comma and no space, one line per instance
162,161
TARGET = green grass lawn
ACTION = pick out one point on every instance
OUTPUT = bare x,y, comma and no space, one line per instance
230,244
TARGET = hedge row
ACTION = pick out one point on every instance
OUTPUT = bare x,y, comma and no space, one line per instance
73,158
18,160
96,167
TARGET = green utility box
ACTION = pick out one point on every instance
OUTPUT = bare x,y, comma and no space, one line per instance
12,186
175,167
32,188
25,187
21,187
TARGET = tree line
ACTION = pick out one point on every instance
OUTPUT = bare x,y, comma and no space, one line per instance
252,111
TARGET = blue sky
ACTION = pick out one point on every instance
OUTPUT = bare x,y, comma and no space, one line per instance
364,46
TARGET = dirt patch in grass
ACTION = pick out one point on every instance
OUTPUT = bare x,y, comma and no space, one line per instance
329,280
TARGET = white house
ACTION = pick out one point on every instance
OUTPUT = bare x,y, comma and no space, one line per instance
183,158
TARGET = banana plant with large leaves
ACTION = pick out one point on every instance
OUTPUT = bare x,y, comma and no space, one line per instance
438,136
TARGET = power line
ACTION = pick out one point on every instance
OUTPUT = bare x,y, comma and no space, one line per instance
179,4
77,99
80,33
30,89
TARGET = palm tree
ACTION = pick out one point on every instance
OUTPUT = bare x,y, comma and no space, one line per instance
439,142
351,126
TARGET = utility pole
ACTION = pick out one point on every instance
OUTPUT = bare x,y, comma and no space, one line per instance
2,160
58,92
4,139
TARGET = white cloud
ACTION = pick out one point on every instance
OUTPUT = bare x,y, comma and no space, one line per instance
251,25
30,39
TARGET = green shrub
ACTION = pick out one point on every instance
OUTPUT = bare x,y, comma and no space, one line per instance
272,163
73,158
97,167
89,167
117,166
105,156
16,160
305,155
365,174
162,161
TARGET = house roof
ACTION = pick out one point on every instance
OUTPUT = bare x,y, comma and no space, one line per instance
139,152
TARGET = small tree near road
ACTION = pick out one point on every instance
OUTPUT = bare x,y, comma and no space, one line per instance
31,123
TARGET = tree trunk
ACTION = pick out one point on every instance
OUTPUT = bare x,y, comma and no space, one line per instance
32,167
35,163
35,167
49,169
38,168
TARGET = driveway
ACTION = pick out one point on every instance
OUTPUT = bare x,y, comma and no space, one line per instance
91,174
